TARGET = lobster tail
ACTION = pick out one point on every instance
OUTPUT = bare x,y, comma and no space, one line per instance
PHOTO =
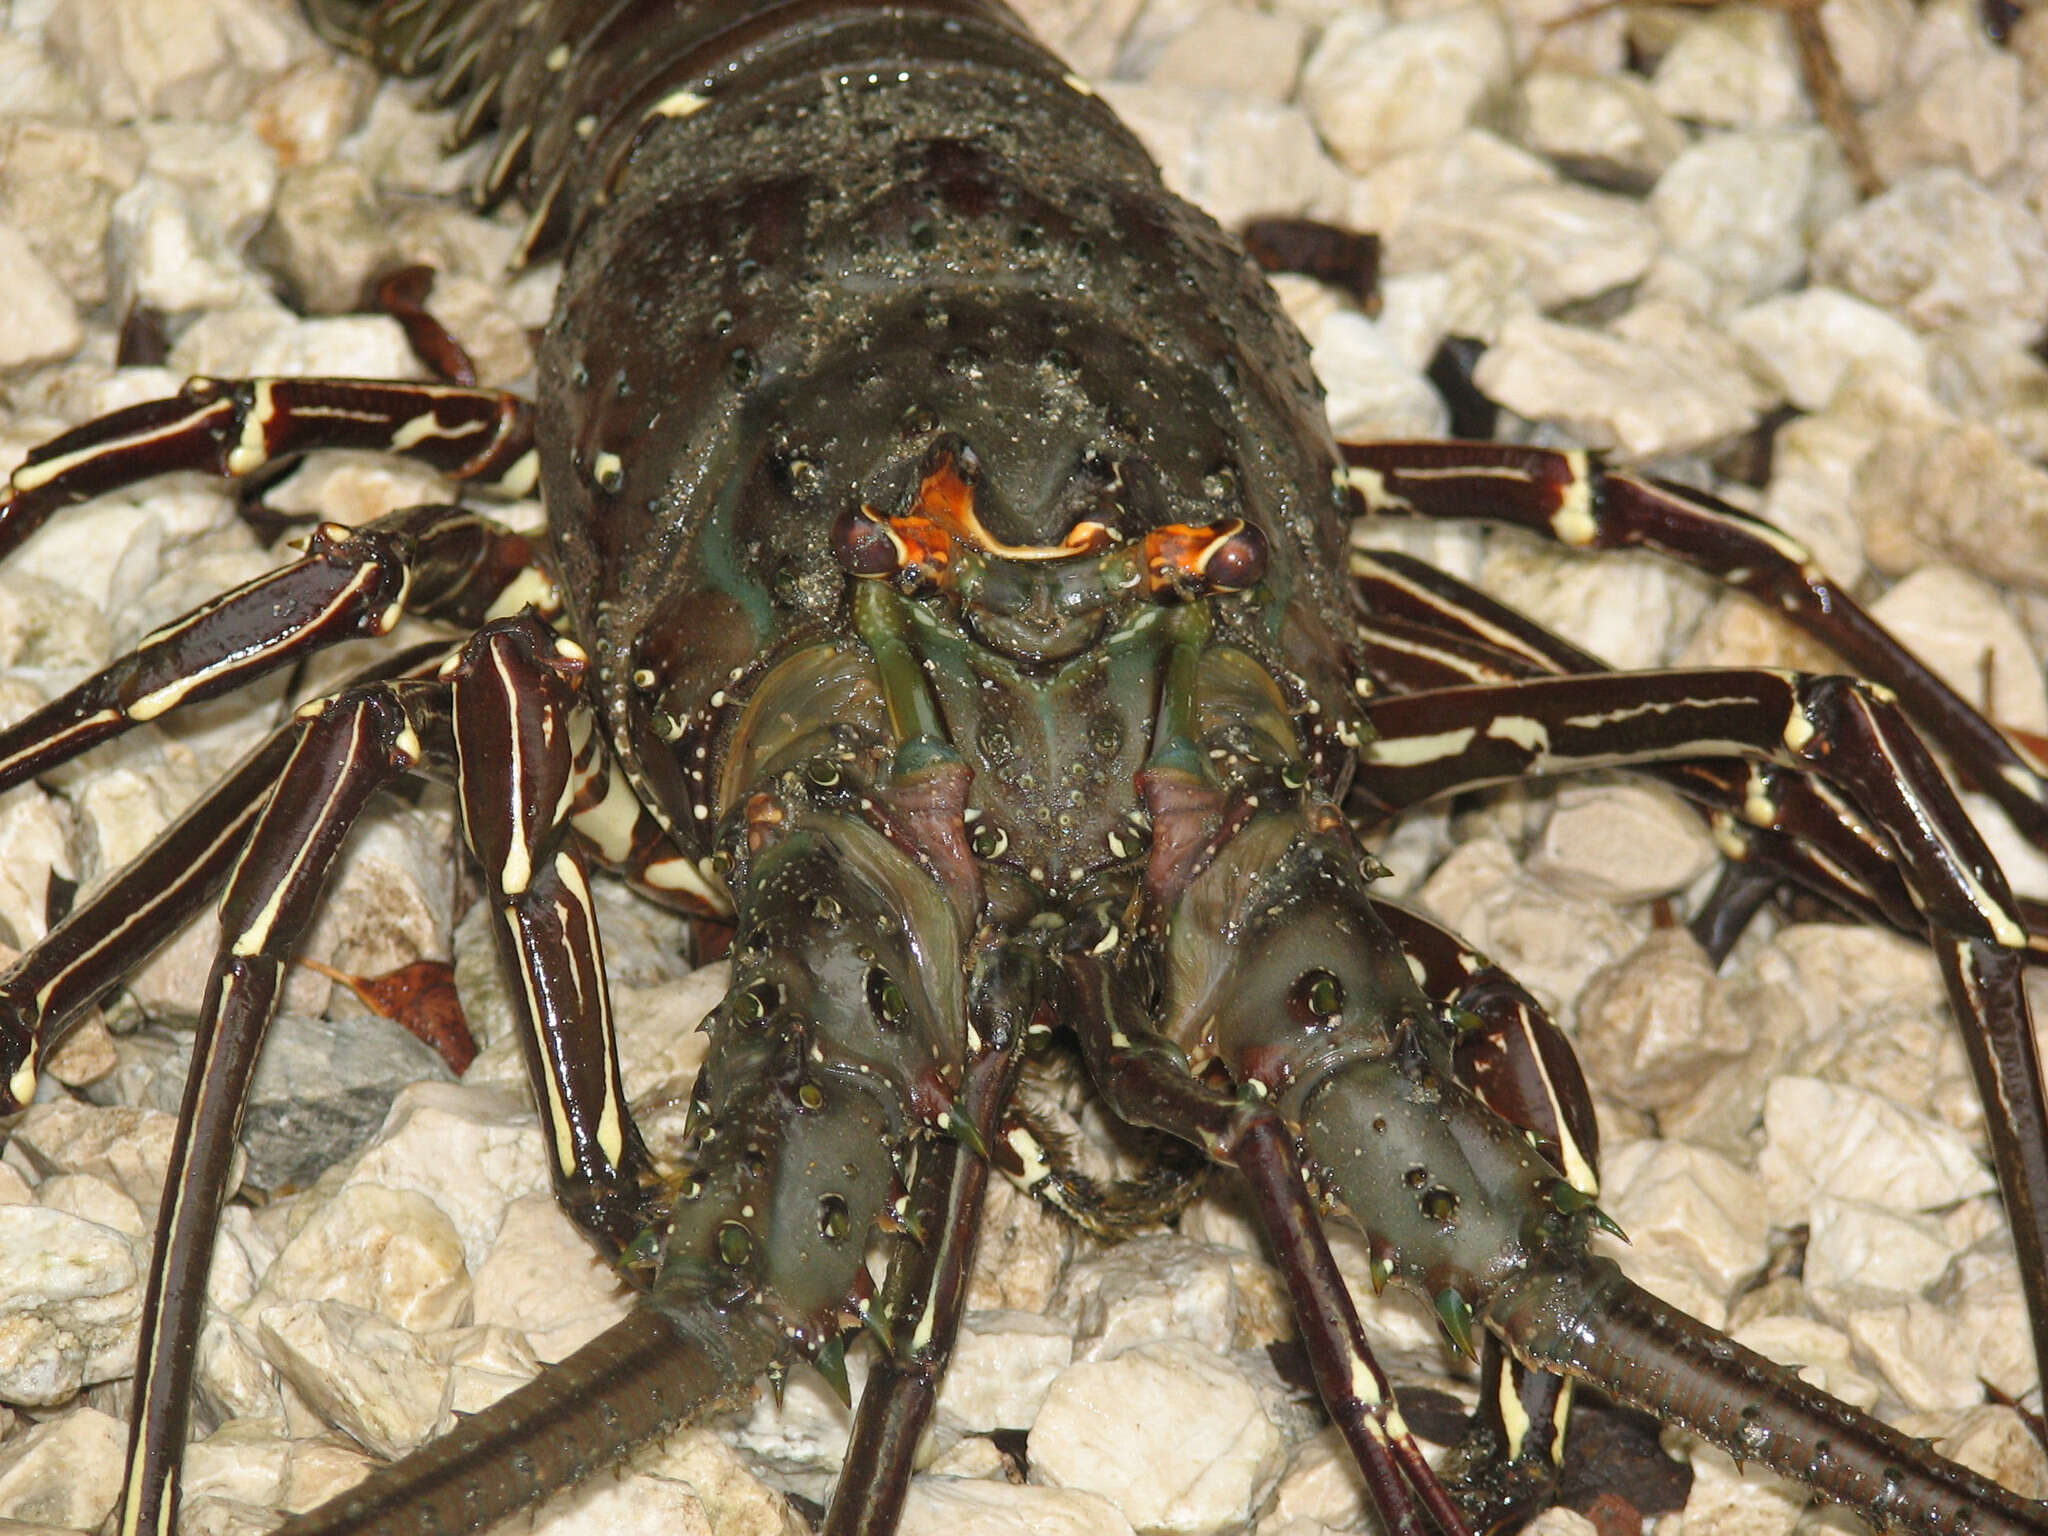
645,1376
1596,1325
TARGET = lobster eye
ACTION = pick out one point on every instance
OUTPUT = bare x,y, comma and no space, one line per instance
866,546
1192,560
1236,562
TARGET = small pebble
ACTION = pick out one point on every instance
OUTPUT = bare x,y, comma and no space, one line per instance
1733,67
367,1376
1099,1416
1937,249
1377,91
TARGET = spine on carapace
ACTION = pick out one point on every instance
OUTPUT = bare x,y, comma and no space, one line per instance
1594,1324
641,1378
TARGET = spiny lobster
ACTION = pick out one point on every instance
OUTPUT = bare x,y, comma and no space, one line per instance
948,585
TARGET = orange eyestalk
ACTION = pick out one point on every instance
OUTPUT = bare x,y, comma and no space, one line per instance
920,541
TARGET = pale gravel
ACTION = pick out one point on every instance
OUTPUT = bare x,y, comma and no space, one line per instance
1926,414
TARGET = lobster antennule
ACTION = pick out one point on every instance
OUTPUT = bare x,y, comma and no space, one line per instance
1592,1323
648,1374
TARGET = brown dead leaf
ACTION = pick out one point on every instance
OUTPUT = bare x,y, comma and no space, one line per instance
421,998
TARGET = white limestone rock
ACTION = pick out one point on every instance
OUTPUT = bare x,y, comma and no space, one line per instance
1621,842
1610,128
70,1304
58,182
307,111
43,323
470,1151
1938,249
1377,90
612,1504
1322,1487
483,1364
1745,206
972,1456
1929,1353
1653,1027
958,1507
1867,38
1373,391
1687,1205
243,1462
1825,1138
800,1438
735,1500
1959,626
1734,66
1102,1418
1548,941
1925,484
1658,381
1239,158
32,83
131,1148
660,1043
1631,610
387,1251
327,236
228,173
1851,1245
1870,1011
543,1278
1003,1365
177,58
93,1199
1725,1502
386,903
361,1373
1981,374
354,489
266,339
164,251
1567,242
1022,1251
36,842
1806,342
1087,35
232,1375
86,1056
1559,34
1152,1288
1960,104
1242,52
58,586
66,1472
